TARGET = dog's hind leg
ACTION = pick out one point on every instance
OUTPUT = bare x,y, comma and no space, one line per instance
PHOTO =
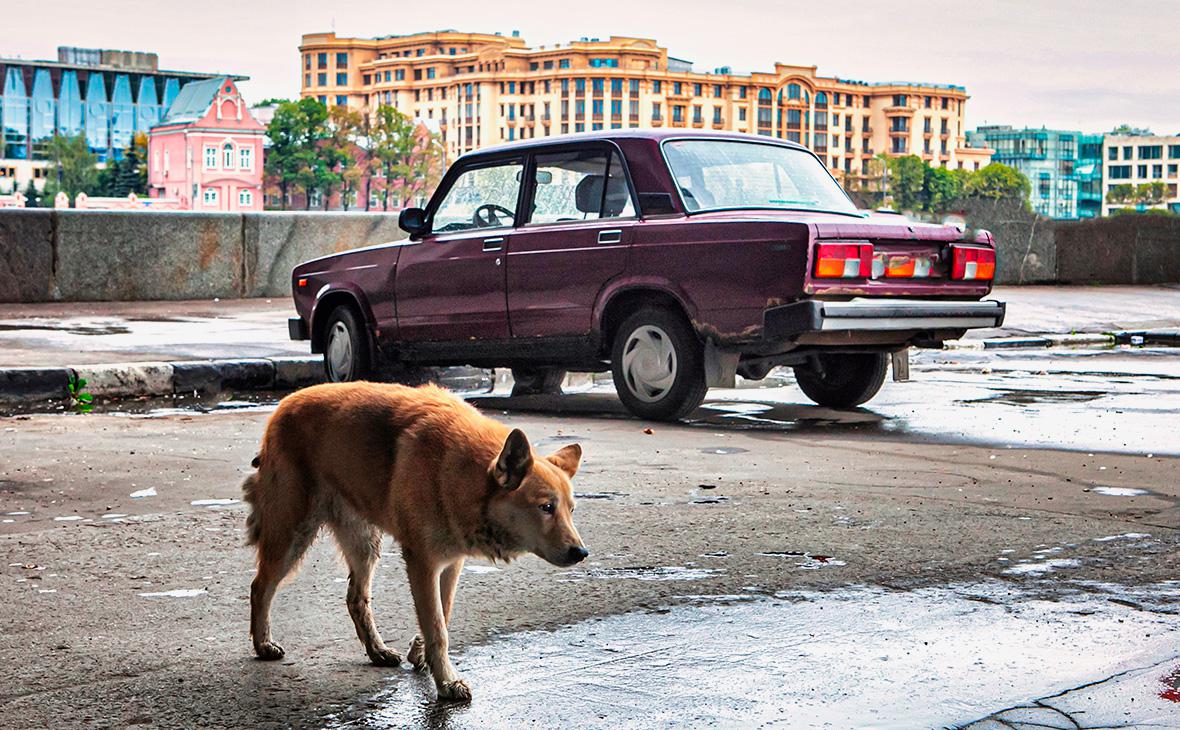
361,545
448,581
279,549
424,585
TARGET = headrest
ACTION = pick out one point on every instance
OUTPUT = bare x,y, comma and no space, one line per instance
588,194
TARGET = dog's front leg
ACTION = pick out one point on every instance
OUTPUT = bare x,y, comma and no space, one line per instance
424,586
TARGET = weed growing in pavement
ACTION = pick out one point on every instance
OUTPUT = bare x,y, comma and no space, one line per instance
80,400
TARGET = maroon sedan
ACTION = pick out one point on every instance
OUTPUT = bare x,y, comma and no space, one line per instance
675,259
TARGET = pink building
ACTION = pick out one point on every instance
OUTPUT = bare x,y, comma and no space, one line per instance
207,151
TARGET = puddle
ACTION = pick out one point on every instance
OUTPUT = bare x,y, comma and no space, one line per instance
723,450
1021,397
1119,491
1124,536
807,561
640,573
177,593
149,492
1043,567
478,569
68,518
598,495
859,657
76,329
214,502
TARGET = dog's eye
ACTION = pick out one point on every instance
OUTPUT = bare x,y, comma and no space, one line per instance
548,508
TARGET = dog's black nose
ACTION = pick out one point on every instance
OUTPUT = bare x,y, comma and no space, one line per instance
577,554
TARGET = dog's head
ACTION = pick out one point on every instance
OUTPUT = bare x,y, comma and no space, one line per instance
534,502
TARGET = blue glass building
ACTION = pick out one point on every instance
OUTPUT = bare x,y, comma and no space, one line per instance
109,96
1060,165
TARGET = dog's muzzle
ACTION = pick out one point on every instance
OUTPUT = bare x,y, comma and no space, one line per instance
576,554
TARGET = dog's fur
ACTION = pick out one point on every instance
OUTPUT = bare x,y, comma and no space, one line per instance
420,464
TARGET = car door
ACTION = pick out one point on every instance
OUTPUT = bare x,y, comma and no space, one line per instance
450,284
580,218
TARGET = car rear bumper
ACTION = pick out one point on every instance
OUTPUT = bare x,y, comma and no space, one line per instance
878,315
297,328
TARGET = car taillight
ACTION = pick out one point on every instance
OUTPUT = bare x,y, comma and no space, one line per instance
843,260
902,266
973,264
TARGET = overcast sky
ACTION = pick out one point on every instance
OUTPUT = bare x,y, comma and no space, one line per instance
1072,64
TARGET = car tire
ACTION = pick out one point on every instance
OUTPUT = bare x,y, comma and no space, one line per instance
537,381
657,363
347,355
847,380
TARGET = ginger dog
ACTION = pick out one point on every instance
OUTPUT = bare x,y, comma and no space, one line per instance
421,465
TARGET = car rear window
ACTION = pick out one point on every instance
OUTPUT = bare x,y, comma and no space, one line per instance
734,174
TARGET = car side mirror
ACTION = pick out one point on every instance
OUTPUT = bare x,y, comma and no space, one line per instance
412,221
656,204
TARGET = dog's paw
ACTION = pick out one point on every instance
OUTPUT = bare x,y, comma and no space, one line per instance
385,658
456,691
417,655
268,651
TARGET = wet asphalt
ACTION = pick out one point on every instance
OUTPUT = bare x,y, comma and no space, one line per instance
993,544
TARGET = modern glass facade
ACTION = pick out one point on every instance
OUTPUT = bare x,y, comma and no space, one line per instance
1049,158
106,103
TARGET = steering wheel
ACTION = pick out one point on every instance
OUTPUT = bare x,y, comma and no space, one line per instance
489,217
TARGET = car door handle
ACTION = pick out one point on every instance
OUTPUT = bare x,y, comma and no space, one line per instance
493,244
614,236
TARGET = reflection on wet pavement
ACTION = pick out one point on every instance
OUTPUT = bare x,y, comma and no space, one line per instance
861,657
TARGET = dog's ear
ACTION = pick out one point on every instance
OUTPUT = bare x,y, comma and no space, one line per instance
514,462
567,459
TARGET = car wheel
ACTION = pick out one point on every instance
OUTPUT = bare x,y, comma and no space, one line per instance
346,346
843,381
536,381
658,365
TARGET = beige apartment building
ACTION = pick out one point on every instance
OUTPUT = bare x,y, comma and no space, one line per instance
480,89
1135,159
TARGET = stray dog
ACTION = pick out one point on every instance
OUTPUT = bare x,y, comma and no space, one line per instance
420,464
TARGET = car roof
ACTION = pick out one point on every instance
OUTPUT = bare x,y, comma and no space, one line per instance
611,135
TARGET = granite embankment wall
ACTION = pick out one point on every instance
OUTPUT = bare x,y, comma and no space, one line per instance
67,255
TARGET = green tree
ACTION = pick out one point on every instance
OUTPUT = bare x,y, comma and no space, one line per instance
72,167
342,155
942,187
427,164
997,181
1120,194
391,146
34,198
1152,193
130,174
906,181
293,162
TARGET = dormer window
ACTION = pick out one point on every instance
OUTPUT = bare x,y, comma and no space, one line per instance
227,156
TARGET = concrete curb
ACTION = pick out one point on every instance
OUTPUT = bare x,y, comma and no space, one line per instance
155,379
1037,343
199,377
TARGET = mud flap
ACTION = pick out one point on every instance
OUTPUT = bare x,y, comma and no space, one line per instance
901,366
720,367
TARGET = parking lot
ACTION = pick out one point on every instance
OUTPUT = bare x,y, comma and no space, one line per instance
997,538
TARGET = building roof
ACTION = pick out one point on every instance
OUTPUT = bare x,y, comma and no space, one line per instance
193,101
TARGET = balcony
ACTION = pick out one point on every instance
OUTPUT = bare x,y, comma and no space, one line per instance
698,123
657,121
899,132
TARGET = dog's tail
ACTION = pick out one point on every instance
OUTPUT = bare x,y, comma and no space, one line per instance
250,496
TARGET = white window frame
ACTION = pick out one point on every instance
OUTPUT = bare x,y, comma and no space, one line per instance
245,198
211,153
228,155
209,196
246,157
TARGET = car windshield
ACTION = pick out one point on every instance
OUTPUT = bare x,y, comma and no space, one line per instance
735,174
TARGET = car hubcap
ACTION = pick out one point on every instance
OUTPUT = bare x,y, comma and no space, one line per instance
649,363
339,353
